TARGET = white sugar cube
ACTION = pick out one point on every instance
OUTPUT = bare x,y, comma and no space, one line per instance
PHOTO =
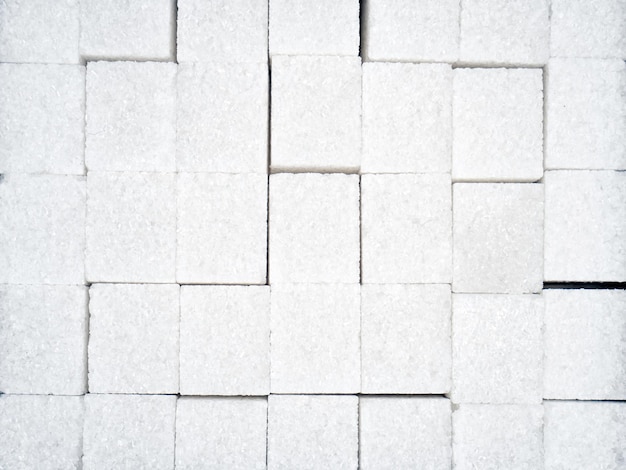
407,118
497,348
312,432
498,238
586,114
42,240
406,228
581,435
43,338
39,31
314,228
222,229
315,332
505,32
221,433
498,436
323,27
42,122
222,31
581,28
498,125
128,30
133,338
404,432
131,227
316,113
222,118
41,432
411,31
131,116
585,226
224,340
129,431
405,339
584,344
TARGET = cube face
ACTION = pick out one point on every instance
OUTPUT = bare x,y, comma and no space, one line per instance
42,432
221,433
222,118
585,226
42,240
498,238
326,205
131,227
131,116
497,353
410,31
580,435
326,27
122,30
407,118
405,339
405,433
495,32
228,214
219,31
584,29
584,347
586,114
406,227
39,32
133,338
309,432
224,336
316,113
498,125
315,338
498,436
42,124
43,338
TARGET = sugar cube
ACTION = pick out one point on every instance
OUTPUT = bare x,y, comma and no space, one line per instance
222,228
586,114
405,338
129,431
498,436
411,31
131,116
314,228
324,27
585,226
131,227
224,340
42,432
498,238
42,122
222,31
316,113
584,344
408,432
222,118
407,118
505,32
498,125
42,240
221,433
311,432
315,330
406,228
125,30
133,338
497,348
